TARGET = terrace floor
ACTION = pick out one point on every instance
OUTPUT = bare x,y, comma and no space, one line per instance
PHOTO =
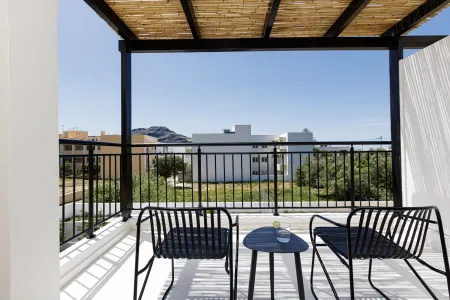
111,276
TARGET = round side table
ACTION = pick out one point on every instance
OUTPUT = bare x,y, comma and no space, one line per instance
264,239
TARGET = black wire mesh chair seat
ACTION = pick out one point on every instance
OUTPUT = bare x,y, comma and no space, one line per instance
336,239
382,233
188,246
187,233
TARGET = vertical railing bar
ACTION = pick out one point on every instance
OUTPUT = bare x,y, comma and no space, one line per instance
96,184
157,179
140,180
326,177
115,184
63,196
148,179
207,181
215,175
199,174
183,178
91,191
224,181
110,193
282,166
352,176
268,181
251,175
103,186
345,181
259,178
386,176
292,180
74,171
192,174
242,183
309,178
83,191
368,177
174,181
166,182
335,179
301,179
378,181
318,179
232,171
360,181
275,178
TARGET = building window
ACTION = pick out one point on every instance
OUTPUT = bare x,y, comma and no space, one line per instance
264,159
78,147
68,148
255,159
254,147
255,173
264,146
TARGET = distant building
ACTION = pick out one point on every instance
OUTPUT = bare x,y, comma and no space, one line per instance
257,162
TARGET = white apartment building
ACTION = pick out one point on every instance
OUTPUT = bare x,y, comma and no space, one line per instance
250,162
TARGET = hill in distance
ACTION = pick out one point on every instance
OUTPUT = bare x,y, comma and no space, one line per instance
162,133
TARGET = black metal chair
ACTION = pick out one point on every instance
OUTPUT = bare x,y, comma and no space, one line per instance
188,233
382,233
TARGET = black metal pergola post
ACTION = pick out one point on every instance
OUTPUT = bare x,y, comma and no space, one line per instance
126,188
395,55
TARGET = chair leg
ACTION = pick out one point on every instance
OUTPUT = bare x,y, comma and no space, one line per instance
421,280
173,279
315,251
137,272
371,283
352,282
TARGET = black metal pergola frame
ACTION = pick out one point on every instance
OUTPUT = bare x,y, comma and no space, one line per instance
391,40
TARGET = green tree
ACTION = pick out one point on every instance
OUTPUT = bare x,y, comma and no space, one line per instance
168,165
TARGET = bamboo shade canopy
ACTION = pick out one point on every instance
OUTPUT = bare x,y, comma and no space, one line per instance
221,19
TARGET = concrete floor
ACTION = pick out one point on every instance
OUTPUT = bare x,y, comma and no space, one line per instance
111,276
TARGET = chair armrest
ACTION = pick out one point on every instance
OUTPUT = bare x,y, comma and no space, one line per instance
236,223
325,219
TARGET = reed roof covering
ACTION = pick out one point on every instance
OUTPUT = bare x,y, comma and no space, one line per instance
223,19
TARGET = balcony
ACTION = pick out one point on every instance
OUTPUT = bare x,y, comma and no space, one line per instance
108,274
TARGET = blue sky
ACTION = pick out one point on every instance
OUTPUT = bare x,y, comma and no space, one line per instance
338,95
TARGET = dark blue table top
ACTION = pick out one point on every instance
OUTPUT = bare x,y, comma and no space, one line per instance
265,239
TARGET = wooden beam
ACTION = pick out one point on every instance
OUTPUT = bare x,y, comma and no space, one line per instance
189,13
111,18
279,44
415,17
347,16
270,18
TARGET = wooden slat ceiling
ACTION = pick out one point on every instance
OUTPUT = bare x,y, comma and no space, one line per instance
165,19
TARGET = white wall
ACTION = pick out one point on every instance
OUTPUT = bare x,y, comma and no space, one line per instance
425,117
29,256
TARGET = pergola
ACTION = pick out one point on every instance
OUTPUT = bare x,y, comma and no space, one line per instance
155,26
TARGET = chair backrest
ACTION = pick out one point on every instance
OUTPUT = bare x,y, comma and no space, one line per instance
185,231
396,233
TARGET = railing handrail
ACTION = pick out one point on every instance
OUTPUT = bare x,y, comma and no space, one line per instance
86,143
332,143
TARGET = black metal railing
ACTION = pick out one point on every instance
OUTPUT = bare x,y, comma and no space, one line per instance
242,176
89,187
262,175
